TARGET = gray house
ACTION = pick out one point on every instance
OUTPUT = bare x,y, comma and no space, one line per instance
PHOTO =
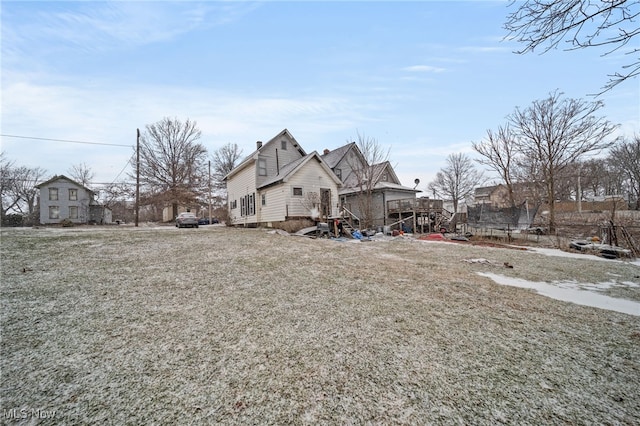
348,164
63,198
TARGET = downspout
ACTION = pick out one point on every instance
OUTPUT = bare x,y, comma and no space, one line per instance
277,163
384,209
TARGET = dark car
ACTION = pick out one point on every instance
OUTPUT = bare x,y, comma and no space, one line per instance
205,221
187,219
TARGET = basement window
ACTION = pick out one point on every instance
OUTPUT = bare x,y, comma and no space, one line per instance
297,191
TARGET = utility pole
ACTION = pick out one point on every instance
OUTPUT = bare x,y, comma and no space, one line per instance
210,192
137,175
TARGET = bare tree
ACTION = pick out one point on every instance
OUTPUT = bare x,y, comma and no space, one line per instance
581,24
82,174
365,175
172,163
499,153
24,188
223,160
555,133
18,187
117,196
457,180
626,155
6,184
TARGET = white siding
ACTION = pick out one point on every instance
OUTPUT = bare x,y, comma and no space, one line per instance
276,157
312,177
241,184
275,209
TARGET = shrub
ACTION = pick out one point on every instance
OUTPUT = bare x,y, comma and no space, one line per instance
66,223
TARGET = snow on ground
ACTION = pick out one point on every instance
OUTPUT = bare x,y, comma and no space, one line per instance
560,253
581,294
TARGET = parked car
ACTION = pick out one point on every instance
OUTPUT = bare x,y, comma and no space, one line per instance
184,220
205,221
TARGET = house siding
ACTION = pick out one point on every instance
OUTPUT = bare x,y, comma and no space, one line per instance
281,204
312,179
63,203
275,209
243,183
276,157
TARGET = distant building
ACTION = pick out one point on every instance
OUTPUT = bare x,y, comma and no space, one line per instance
63,198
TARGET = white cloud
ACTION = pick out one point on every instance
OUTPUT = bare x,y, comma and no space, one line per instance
424,68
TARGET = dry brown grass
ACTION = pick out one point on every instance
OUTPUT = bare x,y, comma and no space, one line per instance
219,325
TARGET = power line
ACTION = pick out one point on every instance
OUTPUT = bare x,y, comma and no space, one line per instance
67,141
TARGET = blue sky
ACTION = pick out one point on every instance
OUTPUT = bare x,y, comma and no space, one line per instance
423,78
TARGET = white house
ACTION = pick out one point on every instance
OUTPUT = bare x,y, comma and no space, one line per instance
279,181
63,198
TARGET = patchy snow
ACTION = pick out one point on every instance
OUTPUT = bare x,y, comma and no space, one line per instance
560,253
581,294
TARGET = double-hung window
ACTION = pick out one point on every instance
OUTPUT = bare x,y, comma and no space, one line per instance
262,167
54,212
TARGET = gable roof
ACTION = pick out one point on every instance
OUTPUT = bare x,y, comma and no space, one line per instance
292,168
60,177
333,158
378,170
249,159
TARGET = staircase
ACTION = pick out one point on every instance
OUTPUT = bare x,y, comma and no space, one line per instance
347,228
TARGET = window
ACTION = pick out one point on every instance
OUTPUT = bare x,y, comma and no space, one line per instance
283,145
262,167
73,195
73,212
251,204
54,212
53,196
297,191
264,199
248,205
234,204
338,173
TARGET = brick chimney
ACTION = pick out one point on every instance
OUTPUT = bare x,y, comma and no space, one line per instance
326,151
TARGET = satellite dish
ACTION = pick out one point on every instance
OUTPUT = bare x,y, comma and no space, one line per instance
417,181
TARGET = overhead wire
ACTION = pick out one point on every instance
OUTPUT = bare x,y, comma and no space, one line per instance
65,140
78,142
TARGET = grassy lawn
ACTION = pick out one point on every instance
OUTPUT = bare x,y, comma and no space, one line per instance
120,325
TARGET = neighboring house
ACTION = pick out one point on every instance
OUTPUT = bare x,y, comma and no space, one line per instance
63,198
498,195
279,181
347,162
167,212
